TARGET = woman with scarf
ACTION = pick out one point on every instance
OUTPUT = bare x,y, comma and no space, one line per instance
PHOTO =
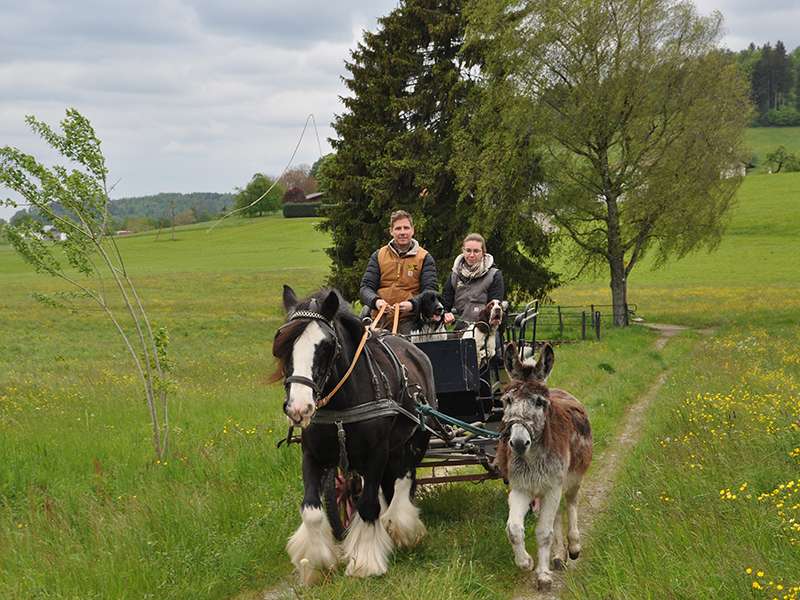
474,281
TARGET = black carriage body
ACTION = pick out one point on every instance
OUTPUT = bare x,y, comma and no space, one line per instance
460,388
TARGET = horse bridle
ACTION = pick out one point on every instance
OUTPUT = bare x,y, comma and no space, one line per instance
307,381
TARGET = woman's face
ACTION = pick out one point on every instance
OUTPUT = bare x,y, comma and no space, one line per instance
473,252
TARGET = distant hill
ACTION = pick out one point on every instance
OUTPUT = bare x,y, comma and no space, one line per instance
205,205
161,205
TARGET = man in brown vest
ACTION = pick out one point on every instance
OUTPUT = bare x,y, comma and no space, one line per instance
398,272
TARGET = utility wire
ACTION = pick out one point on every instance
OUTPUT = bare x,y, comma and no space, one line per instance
310,117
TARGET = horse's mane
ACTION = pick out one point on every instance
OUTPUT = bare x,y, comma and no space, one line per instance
287,334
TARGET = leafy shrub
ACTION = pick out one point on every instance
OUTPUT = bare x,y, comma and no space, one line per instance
787,116
782,160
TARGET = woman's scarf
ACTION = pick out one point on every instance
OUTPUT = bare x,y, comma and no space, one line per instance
478,270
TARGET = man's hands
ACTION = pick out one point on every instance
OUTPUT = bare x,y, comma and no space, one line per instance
449,318
405,306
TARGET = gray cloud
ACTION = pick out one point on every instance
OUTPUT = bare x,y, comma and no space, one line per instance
198,96
757,22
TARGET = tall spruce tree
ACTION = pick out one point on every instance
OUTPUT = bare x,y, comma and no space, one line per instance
412,89
784,78
762,84
772,80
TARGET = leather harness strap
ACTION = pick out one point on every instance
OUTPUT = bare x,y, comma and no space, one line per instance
364,338
396,321
507,425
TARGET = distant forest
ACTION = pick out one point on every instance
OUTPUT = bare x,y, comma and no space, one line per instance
161,206
774,78
149,212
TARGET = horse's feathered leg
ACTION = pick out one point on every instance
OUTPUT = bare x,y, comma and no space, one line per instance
401,519
312,548
368,545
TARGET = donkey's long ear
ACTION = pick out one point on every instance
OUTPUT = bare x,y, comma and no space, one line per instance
289,299
512,363
545,363
330,305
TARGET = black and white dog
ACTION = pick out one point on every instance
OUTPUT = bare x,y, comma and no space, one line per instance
429,323
484,330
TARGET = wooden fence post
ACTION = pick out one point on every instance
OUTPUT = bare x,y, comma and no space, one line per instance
560,323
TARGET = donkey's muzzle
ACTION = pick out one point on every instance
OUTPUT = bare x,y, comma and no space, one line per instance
520,445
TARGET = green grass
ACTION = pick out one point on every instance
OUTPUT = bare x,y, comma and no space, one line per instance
753,272
692,511
88,513
764,140
727,416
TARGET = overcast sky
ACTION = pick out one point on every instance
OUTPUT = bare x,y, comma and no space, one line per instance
197,96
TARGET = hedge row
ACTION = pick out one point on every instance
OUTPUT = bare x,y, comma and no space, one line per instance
304,209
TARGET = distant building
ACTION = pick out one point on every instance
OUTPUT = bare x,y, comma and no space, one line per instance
54,234
735,170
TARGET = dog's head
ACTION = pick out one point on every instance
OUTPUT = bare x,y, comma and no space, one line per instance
495,310
431,309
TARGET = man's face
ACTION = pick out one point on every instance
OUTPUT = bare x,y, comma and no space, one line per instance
402,232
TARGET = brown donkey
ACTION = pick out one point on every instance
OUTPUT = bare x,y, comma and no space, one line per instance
545,450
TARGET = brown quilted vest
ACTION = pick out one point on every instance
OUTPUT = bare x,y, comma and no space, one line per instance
400,275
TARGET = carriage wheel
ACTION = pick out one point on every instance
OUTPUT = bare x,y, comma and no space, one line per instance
340,493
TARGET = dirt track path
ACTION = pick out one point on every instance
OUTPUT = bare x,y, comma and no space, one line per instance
595,490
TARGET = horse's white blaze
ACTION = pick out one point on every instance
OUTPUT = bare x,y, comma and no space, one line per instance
401,520
366,548
300,406
312,548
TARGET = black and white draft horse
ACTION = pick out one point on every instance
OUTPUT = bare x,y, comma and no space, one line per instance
314,349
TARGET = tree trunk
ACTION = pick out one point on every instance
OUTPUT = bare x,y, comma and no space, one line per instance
616,260
619,292
616,251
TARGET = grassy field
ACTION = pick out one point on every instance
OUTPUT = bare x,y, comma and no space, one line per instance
708,504
752,275
87,512
763,140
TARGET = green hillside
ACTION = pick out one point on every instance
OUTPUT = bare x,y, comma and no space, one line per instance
159,207
763,140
